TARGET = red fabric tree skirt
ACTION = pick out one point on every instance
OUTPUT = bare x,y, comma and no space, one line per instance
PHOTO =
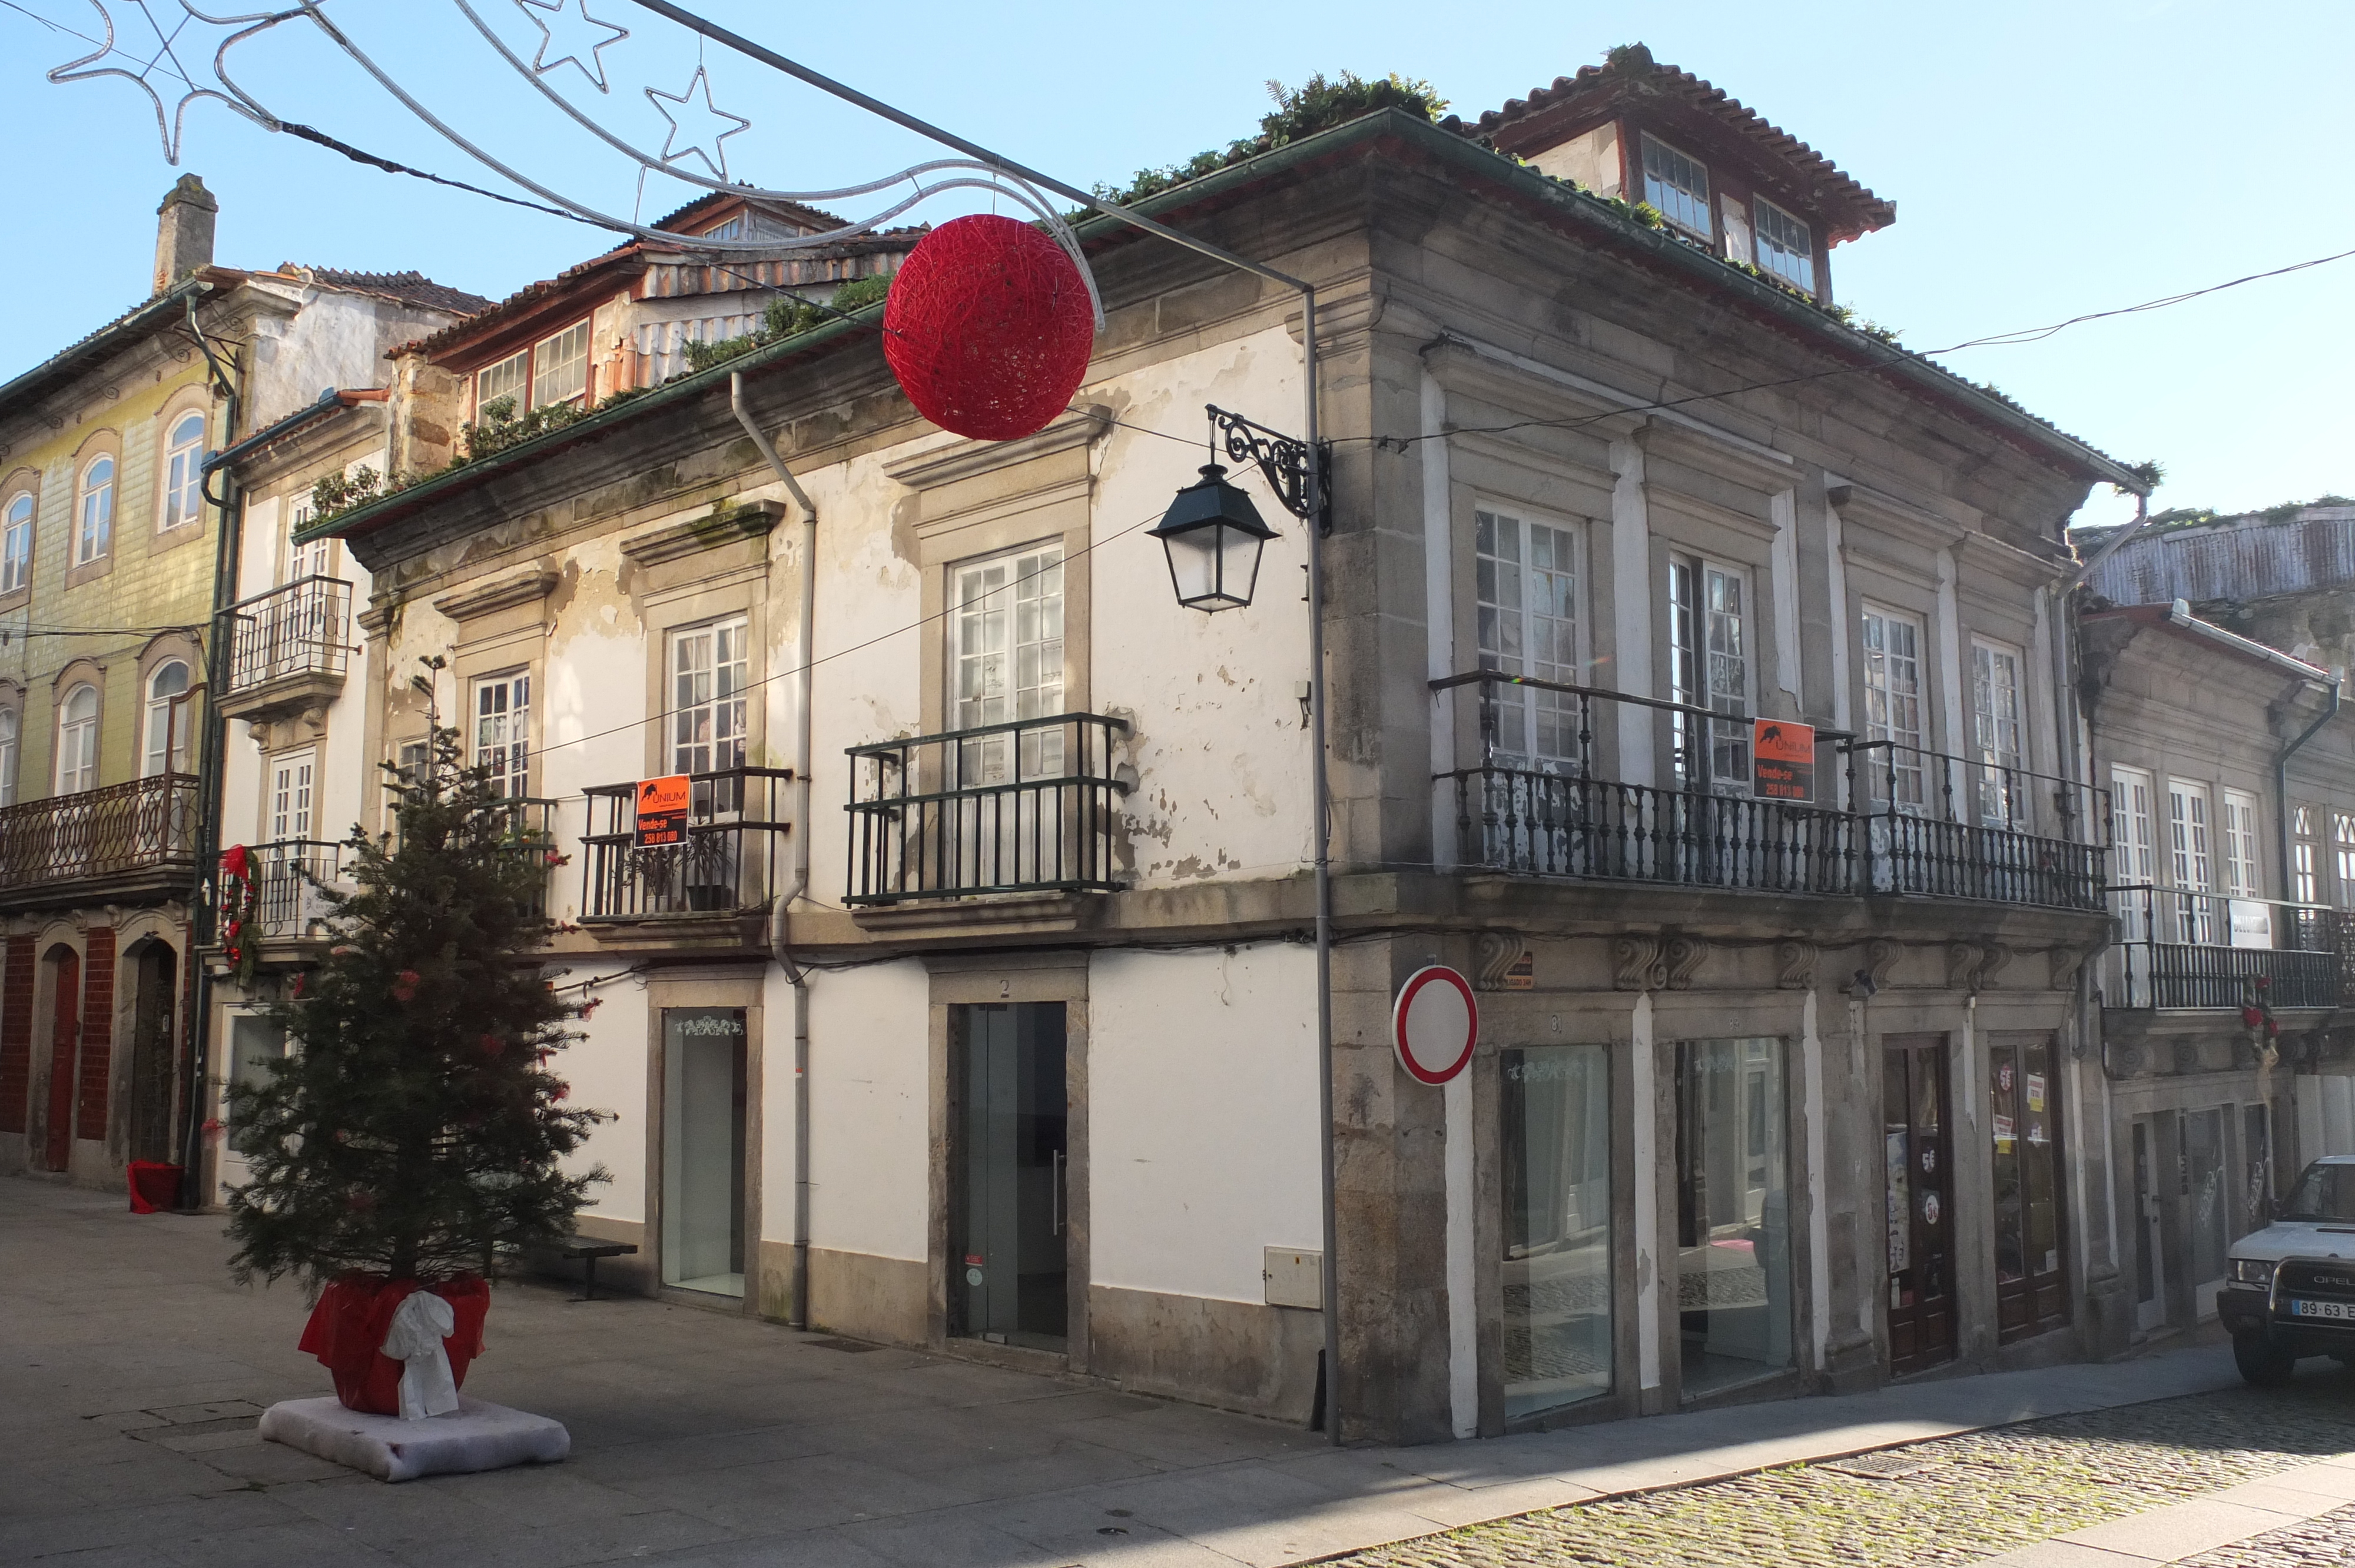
354,1314
154,1186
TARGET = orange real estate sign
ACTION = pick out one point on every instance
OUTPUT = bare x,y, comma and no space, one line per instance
662,811
1783,761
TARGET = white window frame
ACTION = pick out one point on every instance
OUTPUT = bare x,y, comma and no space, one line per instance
2305,841
11,736
1530,620
1006,657
559,367
1796,268
1999,794
1885,704
709,668
1703,673
508,377
314,559
2342,858
498,730
16,541
2191,859
292,806
1685,197
94,510
2133,834
77,759
182,503
163,724
2244,871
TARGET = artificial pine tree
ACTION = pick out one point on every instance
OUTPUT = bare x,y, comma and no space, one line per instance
414,1128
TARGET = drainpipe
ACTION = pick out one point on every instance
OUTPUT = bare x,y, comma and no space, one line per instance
227,512
2281,779
798,1314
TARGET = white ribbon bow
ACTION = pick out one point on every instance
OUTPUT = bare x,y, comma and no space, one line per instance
419,1324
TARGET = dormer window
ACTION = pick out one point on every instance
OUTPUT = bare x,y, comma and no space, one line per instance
505,379
1786,249
731,229
559,367
1678,186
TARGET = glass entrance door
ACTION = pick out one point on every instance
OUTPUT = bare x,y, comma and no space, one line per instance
2204,1173
2032,1294
703,1149
1011,1275
1734,1231
1921,1207
2150,1273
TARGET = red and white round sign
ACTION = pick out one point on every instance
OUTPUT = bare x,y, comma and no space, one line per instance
1435,1024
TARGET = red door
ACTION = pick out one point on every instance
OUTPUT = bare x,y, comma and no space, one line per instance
65,1035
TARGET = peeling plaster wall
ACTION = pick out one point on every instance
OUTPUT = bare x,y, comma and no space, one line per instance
1202,1117
870,1138
608,1072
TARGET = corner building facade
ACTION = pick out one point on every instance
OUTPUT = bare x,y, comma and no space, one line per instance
993,1029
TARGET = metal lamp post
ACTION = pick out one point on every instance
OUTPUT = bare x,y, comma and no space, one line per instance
1214,536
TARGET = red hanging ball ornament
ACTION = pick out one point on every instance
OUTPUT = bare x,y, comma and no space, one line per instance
988,327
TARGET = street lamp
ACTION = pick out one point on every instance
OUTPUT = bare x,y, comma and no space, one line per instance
1214,536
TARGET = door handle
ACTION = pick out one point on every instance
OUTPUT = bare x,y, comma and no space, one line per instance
1055,1195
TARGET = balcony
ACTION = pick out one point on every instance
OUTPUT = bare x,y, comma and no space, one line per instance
122,842
1573,782
290,881
2195,951
727,864
1025,806
288,647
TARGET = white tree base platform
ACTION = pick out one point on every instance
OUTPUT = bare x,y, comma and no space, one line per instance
477,1435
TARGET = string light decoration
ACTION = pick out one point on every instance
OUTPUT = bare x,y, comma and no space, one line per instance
715,160
179,37
988,327
593,68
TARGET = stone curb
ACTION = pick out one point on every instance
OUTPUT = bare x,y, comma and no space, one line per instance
2186,1530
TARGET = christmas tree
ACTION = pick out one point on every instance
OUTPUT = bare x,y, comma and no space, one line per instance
414,1129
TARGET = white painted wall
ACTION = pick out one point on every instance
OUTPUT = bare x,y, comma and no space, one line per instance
776,1151
607,1071
869,1047
1202,1116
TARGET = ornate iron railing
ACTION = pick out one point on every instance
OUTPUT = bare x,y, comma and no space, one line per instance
288,878
1575,781
146,824
726,861
1024,806
2206,951
301,629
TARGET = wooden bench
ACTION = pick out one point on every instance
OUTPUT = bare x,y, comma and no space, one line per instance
589,1249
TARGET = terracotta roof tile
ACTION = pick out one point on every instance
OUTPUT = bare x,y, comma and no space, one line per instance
409,287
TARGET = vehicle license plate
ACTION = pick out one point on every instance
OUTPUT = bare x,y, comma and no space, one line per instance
2322,1309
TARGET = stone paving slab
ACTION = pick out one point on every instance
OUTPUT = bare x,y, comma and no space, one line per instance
705,1438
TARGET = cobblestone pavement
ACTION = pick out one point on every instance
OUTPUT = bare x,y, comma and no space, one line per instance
1952,1501
2328,1542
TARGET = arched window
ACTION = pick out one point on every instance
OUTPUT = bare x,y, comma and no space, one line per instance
16,543
78,741
7,757
95,536
166,729
183,471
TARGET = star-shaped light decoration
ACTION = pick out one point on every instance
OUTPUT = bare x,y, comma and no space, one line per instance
708,116
580,45
173,41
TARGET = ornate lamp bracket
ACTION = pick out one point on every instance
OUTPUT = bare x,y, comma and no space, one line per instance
1283,461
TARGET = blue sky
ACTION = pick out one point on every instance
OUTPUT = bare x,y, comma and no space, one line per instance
2047,159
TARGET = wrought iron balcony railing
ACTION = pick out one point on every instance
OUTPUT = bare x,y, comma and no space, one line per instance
726,862
1573,781
1025,806
290,876
148,824
2179,949
301,629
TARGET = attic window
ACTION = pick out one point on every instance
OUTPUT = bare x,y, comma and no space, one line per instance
731,229
505,379
559,367
1785,247
1678,186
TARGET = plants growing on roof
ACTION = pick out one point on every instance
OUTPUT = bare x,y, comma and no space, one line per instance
1317,104
785,317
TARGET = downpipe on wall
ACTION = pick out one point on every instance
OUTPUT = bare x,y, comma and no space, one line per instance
797,1314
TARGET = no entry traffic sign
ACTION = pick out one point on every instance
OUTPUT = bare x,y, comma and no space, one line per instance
1435,1024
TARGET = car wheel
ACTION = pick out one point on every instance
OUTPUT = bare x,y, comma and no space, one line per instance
2262,1362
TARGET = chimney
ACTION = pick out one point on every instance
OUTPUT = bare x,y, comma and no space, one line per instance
184,231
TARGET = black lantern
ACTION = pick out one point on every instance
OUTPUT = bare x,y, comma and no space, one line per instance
1214,536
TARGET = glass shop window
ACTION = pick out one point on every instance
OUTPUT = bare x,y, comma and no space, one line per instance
1555,1103
1733,1220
